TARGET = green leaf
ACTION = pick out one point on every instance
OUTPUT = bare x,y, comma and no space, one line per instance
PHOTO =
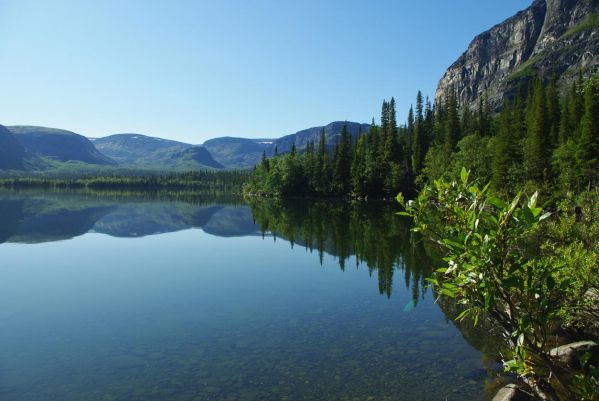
433,281
498,203
452,244
462,315
488,299
464,175
400,199
532,202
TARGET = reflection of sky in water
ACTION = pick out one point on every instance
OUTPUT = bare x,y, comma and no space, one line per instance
190,316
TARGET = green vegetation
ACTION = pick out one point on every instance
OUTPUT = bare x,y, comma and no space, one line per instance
526,69
377,164
540,140
507,262
230,181
591,22
532,274
510,263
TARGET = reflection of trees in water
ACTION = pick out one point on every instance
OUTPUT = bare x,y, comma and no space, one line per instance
377,237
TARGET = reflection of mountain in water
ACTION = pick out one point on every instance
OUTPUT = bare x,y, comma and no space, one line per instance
43,217
379,240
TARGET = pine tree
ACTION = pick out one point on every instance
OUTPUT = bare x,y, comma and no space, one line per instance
553,111
322,164
537,145
342,162
452,122
410,124
385,117
504,145
392,117
565,124
418,137
264,163
587,154
483,117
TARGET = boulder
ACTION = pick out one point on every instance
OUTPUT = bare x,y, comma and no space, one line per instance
569,354
511,392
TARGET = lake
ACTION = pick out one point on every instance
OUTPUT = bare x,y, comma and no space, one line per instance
109,297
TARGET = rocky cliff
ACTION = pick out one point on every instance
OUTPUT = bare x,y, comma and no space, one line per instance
550,37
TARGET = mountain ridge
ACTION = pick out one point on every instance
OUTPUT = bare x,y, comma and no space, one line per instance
550,37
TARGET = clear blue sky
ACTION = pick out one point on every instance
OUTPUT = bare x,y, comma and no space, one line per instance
193,70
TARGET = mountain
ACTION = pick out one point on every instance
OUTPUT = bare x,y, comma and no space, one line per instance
332,133
58,144
44,217
138,150
195,156
238,152
551,37
39,148
12,153
244,153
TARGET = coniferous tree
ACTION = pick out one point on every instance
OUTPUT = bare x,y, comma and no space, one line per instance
419,137
565,124
483,119
452,123
342,162
537,144
503,158
553,111
588,146
322,164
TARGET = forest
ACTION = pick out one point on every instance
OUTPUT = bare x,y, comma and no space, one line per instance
506,197
540,139
226,181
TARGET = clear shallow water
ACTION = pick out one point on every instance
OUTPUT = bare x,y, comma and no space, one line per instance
104,299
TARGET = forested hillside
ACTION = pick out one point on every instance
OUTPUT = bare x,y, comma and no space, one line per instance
540,139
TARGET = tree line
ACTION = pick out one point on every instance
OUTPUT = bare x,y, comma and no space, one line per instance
229,181
539,139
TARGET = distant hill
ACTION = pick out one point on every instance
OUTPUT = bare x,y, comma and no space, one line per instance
238,152
245,153
58,144
143,151
12,153
195,155
137,148
60,152
332,133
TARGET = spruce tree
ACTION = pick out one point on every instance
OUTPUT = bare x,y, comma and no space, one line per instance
587,154
537,145
553,111
322,164
342,162
565,124
452,122
504,145
418,137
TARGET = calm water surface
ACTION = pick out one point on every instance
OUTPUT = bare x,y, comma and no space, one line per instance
133,299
